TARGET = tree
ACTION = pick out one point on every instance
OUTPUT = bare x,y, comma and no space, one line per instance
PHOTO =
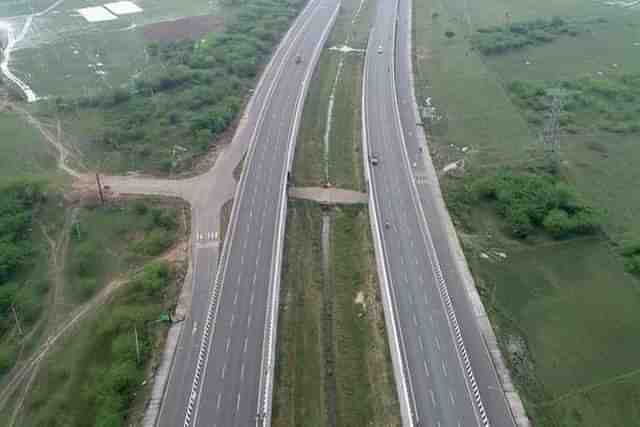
450,34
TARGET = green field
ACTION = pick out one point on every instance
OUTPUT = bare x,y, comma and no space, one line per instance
565,311
97,375
63,54
107,241
23,151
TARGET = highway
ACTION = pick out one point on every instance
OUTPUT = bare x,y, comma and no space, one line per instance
446,375
230,385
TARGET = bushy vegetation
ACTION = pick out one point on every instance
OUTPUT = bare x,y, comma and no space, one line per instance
608,102
106,240
528,201
94,378
190,92
496,40
19,203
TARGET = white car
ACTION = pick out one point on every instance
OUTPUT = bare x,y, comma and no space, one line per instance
380,49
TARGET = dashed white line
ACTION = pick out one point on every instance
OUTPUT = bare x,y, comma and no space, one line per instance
249,321
426,368
242,259
433,398
226,348
233,317
224,369
235,299
244,346
420,342
253,294
242,372
444,367
453,399
218,403
426,298
238,402
415,321
437,342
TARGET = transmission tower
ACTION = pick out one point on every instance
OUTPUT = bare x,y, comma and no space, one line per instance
551,131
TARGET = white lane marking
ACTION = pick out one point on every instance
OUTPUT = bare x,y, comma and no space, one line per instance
437,342
426,368
259,244
249,321
244,346
218,403
255,274
415,321
235,299
226,347
251,213
411,242
244,245
257,261
453,399
431,318
433,398
416,260
426,298
233,317
238,402
251,299
420,342
195,328
224,368
402,260
242,372
444,367
242,259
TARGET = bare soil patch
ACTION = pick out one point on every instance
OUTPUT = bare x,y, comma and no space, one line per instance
192,27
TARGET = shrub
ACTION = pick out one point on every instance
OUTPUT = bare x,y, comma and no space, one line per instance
528,201
497,40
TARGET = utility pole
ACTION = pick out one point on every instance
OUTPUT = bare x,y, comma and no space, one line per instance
100,193
135,331
15,314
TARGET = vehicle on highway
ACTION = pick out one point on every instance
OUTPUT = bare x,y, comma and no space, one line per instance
298,59
374,159
379,48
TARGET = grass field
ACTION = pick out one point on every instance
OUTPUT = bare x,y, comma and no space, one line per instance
63,54
107,241
567,320
23,152
96,375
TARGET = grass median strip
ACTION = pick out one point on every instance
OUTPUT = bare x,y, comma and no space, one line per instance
333,362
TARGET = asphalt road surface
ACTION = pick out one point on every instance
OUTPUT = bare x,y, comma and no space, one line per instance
487,380
434,318
229,385
243,298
